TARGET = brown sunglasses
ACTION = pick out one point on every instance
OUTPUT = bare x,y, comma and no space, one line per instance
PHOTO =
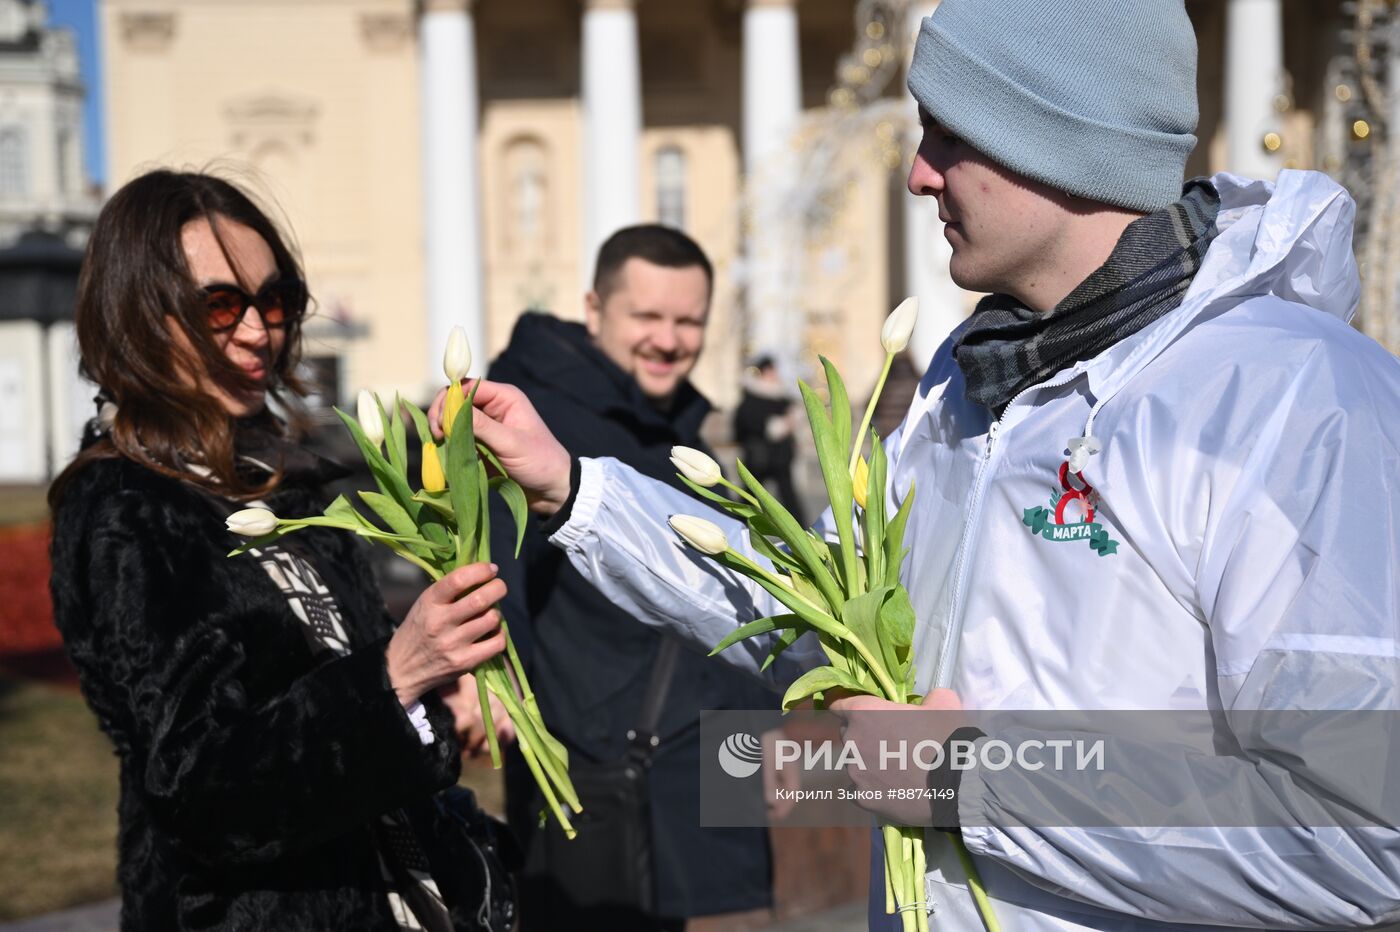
279,303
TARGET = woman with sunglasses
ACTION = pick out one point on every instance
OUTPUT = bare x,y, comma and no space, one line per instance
283,747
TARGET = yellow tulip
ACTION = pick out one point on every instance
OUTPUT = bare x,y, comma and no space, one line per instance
860,481
450,407
433,479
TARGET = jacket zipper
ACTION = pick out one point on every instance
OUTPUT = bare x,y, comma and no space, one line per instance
953,635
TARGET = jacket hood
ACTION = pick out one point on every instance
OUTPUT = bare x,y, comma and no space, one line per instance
1290,239
558,356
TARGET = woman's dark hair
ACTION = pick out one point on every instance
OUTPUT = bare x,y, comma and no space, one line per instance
134,279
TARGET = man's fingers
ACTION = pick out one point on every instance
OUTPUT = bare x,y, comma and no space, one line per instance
488,430
942,699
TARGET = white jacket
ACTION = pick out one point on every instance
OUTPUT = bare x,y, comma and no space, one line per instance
1249,476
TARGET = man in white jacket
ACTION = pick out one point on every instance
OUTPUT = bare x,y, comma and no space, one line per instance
1156,470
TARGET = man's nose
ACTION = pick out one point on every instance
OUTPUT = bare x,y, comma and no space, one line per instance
665,338
924,179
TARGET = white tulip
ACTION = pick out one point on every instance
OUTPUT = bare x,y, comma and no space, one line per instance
252,522
457,358
370,421
704,536
894,336
696,466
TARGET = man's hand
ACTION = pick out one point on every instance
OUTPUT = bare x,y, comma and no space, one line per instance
508,424
869,721
462,698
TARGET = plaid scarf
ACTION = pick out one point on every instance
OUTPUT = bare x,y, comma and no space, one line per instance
1008,347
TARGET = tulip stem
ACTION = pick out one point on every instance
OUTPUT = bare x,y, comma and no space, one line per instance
838,631
869,413
742,491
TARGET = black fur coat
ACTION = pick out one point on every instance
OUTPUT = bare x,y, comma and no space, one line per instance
250,770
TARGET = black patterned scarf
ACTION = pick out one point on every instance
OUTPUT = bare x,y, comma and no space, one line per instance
1008,347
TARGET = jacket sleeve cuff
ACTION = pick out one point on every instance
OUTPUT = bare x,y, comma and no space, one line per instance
557,520
947,783
579,512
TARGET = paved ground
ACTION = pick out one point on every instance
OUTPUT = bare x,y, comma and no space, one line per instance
96,917
102,917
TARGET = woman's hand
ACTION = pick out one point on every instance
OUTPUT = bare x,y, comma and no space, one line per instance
462,698
508,424
447,631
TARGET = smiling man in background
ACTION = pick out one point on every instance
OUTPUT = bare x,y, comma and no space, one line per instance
618,385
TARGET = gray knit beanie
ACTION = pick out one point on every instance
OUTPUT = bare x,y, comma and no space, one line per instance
1094,98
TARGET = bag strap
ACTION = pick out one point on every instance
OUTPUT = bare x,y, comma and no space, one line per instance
643,738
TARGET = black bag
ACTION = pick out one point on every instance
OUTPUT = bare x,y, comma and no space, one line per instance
609,864
497,854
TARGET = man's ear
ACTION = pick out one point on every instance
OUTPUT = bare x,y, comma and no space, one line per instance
593,313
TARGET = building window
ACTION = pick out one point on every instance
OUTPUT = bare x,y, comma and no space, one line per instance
14,168
527,196
65,184
670,187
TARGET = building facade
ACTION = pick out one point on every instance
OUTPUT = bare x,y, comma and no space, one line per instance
45,197
455,162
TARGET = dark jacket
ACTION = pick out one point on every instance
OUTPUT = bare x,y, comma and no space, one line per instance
250,769
589,661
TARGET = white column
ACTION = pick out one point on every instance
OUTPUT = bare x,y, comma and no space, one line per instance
452,222
1253,79
772,105
612,123
70,395
23,438
927,252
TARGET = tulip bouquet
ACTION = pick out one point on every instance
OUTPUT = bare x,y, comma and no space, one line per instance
846,593
442,525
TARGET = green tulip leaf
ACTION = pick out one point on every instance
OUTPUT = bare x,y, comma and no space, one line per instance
795,536
391,482
805,610
514,497
862,616
874,516
483,451
894,539
398,520
762,545
441,502
483,486
755,628
832,456
462,483
394,442
897,629
840,407
785,638
420,422
818,680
